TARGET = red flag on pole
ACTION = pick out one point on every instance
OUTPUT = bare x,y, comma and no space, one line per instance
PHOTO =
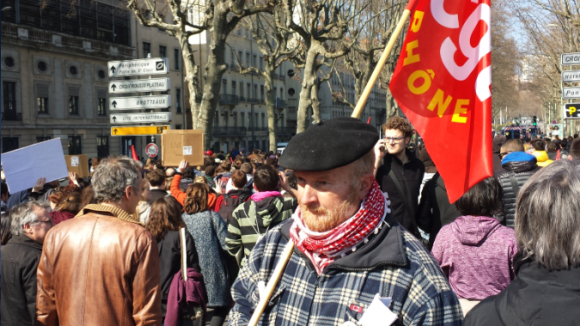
134,153
369,121
442,83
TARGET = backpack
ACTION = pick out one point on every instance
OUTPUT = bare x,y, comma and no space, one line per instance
230,203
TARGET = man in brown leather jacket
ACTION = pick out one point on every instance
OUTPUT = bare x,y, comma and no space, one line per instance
102,267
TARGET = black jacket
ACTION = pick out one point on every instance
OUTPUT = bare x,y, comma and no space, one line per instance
536,297
158,193
170,260
410,176
519,172
435,211
20,257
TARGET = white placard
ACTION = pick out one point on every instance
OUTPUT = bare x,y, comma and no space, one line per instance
570,59
74,161
187,150
571,76
138,67
24,166
117,118
140,102
570,92
139,85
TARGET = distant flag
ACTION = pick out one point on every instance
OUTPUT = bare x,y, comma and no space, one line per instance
369,121
442,83
134,153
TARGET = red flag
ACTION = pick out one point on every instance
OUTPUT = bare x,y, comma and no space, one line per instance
369,121
134,153
442,83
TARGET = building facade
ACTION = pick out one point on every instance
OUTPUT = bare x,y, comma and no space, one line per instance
55,79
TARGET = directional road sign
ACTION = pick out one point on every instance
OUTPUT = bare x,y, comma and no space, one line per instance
139,67
572,111
138,130
139,85
140,102
571,92
140,117
569,59
571,76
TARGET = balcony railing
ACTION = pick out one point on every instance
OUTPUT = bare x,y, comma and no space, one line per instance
280,103
242,99
228,99
253,100
229,131
11,116
285,131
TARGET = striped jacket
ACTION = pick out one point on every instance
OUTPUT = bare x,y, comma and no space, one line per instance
393,264
252,220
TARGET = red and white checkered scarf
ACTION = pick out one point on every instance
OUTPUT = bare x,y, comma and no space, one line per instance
323,247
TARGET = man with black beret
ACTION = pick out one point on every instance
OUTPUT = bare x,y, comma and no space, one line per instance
348,246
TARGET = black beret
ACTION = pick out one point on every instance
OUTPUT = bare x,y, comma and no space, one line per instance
329,144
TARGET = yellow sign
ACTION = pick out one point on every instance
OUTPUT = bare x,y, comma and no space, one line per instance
138,130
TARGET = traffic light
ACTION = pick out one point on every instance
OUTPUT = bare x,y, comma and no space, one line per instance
534,121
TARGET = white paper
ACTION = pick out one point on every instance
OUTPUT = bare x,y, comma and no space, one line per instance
378,313
187,150
24,166
74,161
261,289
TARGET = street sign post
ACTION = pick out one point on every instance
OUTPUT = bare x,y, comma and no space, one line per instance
139,67
571,111
140,117
138,130
571,92
151,150
571,59
139,85
140,102
571,76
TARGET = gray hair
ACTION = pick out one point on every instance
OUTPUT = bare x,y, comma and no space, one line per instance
547,209
22,214
113,176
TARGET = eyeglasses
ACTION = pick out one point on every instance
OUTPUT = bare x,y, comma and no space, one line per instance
38,221
394,139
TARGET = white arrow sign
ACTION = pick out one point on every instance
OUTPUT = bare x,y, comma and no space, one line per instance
570,92
139,85
569,59
140,117
149,66
571,76
140,102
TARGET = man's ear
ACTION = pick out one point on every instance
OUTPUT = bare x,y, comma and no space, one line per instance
407,141
366,184
128,192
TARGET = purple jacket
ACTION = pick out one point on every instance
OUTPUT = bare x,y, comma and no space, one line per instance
183,293
476,253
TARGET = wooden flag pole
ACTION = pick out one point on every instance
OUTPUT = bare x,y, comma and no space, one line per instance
287,253
369,87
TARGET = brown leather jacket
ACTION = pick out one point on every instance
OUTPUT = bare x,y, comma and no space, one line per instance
100,268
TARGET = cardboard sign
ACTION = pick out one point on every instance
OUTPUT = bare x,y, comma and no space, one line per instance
177,145
78,164
24,166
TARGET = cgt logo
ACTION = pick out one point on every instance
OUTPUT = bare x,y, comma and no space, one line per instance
159,65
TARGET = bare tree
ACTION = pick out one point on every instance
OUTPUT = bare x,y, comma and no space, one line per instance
219,18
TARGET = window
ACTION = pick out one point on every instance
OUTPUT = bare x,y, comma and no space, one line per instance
9,96
255,63
224,86
236,119
263,121
241,89
261,63
281,93
74,145
249,90
42,138
247,60
176,58
262,93
42,98
178,100
256,121
240,56
216,116
234,88
243,119
102,103
9,144
163,51
255,92
102,146
73,101
146,49
233,56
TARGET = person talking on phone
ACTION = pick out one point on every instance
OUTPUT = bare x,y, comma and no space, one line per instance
398,172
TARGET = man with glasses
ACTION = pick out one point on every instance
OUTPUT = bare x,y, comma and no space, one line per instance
401,173
20,257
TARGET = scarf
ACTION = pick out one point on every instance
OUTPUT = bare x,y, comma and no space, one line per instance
322,248
264,194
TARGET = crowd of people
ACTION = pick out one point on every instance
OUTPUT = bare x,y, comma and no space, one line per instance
145,244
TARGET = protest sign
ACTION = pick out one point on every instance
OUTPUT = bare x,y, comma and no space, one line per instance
177,145
24,166
78,164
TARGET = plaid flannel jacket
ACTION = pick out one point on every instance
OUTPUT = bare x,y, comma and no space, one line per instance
393,263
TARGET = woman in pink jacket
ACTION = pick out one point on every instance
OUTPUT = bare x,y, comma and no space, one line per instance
475,251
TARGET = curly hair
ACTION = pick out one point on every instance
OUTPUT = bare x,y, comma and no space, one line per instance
196,198
165,216
399,123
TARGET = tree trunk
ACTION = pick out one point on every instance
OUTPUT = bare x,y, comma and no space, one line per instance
308,81
191,78
391,108
270,106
